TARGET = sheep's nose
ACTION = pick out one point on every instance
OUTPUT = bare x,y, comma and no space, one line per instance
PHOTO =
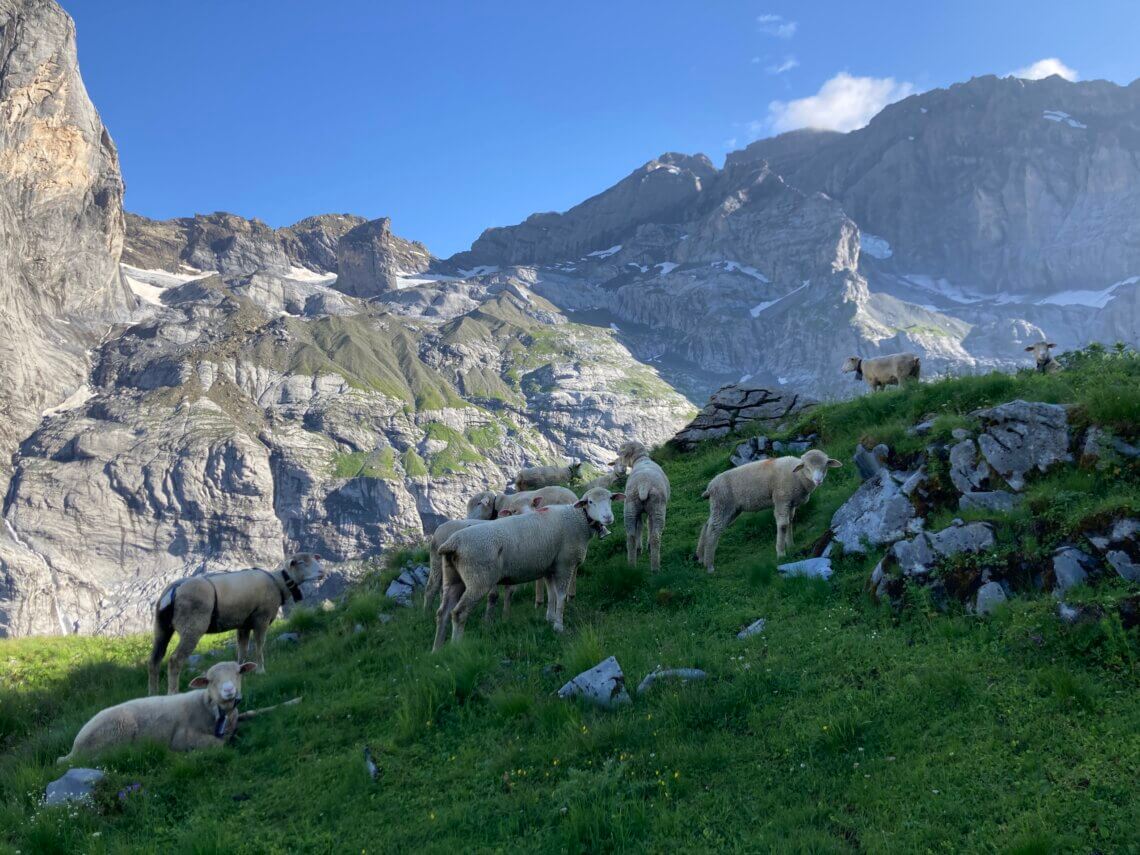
817,477
228,690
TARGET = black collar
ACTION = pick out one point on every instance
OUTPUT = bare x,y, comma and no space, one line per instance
596,527
292,587
221,717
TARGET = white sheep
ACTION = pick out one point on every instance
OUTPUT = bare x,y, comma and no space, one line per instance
245,600
1046,364
481,506
546,476
782,483
881,371
509,504
205,717
548,545
647,497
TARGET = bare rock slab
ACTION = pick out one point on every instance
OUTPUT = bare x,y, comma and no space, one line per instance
812,568
1023,436
682,674
75,785
603,685
754,628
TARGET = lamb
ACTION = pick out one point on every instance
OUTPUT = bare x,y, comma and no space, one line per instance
548,545
1046,364
546,476
782,484
881,371
481,506
205,717
509,504
647,492
245,600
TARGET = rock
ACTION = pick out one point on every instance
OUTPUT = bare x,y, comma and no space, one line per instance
811,568
1069,614
658,674
371,260
358,628
407,583
1020,437
967,473
922,428
997,501
990,596
1071,567
750,451
870,463
1124,448
384,617
1091,447
1124,564
736,406
603,685
917,557
754,628
289,638
75,785
960,434
879,512
1120,545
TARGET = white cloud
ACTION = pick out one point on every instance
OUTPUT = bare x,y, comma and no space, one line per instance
777,25
843,103
1046,68
788,64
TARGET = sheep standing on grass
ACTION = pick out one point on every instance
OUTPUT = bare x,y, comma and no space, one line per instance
1045,362
882,371
203,718
245,600
782,483
548,545
546,476
647,496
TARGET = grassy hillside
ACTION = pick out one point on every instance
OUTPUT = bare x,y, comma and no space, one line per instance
846,725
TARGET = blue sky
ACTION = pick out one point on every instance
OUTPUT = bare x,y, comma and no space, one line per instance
451,117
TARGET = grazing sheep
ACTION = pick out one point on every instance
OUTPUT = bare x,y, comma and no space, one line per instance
647,496
1046,364
782,483
509,504
548,545
546,476
482,506
245,600
607,481
881,371
203,718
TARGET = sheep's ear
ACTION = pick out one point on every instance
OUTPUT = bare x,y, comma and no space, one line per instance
246,667
798,467
832,463
536,501
1050,344
581,503
503,514
292,562
200,682
617,497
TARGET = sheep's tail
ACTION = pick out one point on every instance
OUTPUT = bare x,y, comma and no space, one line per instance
705,494
643,491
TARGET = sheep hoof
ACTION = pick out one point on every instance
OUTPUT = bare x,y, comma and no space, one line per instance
558,628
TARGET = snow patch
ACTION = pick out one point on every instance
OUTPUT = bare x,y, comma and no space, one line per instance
875,246
605,253
1095,299
481,270
614,327
1059,116
737,267
148,285
767,304
73,402
667,267
923,110
304,274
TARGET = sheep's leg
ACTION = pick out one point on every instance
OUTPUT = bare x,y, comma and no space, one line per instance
573,592
508,590
242,645
656,529
701,544
186,739
718,521
633,523
492,601
475,592
434,580
451,595
561,588
538,593
162,636
187,641
259,639
783,531
550,598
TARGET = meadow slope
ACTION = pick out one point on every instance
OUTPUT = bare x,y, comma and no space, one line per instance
847,725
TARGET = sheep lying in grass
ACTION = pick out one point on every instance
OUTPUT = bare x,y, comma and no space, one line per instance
782,483
1046,364
881,371
546,476
647,496
245,600
548,545
203,718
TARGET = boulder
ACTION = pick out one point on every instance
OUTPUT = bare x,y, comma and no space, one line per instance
1071,567
878,513
750,451
1022,436
407,583
990,596
967,472
917,557
659,673
736,406
995,501
603,685
812,568
75,785
870,462
1120,546
754,628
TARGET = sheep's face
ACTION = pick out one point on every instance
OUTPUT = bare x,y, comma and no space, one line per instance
223,684
481,506
852,363
597,504
814,465
574,468
533,505
1040,351
628,452
305,567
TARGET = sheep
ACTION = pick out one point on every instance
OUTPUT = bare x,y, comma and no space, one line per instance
205,717
782,483
1046,364
546,476
509,504
481,506
647,492
607,480
881,371
548,545
245,600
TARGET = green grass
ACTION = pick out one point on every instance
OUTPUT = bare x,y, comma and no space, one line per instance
455,457
380,463
845,726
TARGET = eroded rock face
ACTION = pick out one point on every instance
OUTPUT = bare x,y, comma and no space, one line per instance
917,557
1020,437
734,407
880,512
371,260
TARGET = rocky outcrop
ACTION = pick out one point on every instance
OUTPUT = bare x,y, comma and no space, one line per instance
917,558
371,260
738,406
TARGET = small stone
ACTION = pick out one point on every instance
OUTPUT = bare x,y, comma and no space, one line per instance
990,596
1069,614
682,674
288,638
358,628
1071,567
960,434
812,568
75,785
922,428
384,617
754,628
603,685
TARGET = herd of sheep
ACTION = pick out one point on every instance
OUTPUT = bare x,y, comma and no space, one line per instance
540,534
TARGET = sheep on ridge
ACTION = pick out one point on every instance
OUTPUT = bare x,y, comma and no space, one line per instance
546,476
245,600
1046,364
548,545
881,371
782,483
203,718
647,497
